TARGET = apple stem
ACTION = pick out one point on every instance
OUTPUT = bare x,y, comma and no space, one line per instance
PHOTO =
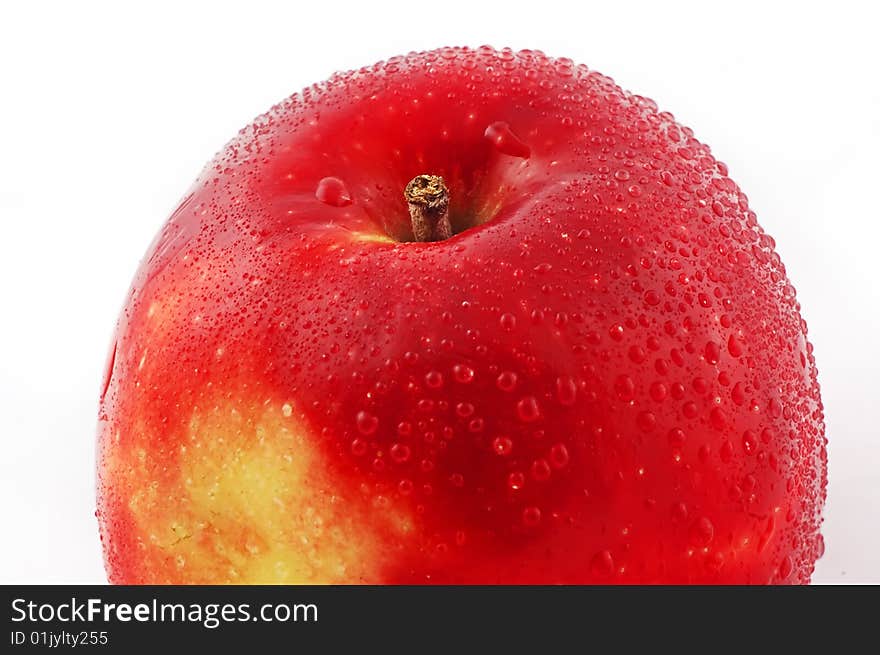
428,200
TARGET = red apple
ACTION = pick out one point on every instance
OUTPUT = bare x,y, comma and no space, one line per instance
590,367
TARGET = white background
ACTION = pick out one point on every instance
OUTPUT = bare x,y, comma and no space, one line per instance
107,113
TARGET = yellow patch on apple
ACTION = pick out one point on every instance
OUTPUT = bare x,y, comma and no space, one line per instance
252,502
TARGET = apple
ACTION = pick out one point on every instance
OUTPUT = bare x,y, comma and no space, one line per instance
464,316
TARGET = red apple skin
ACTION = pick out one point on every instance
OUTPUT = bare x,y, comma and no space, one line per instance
602,377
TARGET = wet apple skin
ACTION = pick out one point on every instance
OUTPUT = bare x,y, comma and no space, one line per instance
602,377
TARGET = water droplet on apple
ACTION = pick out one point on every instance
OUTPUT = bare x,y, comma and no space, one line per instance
624,387
712,352
749,442
738,394
786,568
636,354
464,410
400,452
505,141
434,379
602,564
540,470
675,437
679,512
702,532
646,421
462,373
506,381
332,191
366,423
734,347
717,418
559,457
507,322
502,446
566,391
531,516
516,480
726,452
528,410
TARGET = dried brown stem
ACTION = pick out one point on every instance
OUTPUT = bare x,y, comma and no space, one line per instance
428,200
